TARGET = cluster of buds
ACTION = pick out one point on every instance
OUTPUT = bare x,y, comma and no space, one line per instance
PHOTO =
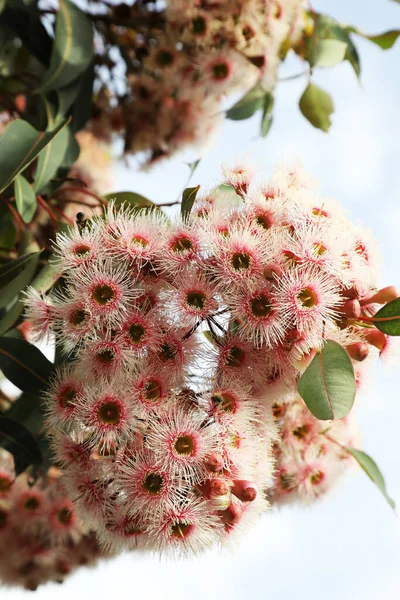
309,455
40,537
179,74
184,337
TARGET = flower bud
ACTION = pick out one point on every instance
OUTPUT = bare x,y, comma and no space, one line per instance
246,491
358,351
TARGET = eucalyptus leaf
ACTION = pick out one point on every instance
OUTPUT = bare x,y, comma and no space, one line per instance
326,29
11,316
330,52
132,199
20,442
317,106
266,120
328,384
387,319
25,198
16,275
20,144
24,365
50,159
248,105
373,472
188,198
72,48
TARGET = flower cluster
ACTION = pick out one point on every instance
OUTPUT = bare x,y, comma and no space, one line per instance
178,74
310,455
186,340
40,537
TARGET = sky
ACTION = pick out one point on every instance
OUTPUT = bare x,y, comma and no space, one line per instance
348,545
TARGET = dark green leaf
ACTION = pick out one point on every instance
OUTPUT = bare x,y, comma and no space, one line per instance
18,440
2,5
266,120
317,106
11,316
8,232
20,144
248,105
387,319
72,48
45,278
24,365
25,198
16,275
25,21
52,156
66,97
82,108
27,410
72,150
188,198
373,472
328,385
131,199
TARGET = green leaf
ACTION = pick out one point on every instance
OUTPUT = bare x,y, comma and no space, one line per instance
72,151
329,53
18,440
25,198
52,156
2,5
24,365
8,232
66,97
45,279
266,120
193,166
131,199
83,106
20,144
16,275
387,319
384,40
373,472
248,105
28,410
11,316
328,385
188,198
327,29
72,48
317,107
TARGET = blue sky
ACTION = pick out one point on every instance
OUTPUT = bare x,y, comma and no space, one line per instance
348,546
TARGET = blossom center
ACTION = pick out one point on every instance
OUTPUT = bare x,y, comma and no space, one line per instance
32,503
168,352
184,444
164,58
182,244
152,390
225,402
82,250
140,241
241,261
196,300
263,221
78,317
199,26
220,70
136,333
180,529
65,516
109,413
235,357
307,298
5,484
103,294
153,483
105,356
261,306
67,396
